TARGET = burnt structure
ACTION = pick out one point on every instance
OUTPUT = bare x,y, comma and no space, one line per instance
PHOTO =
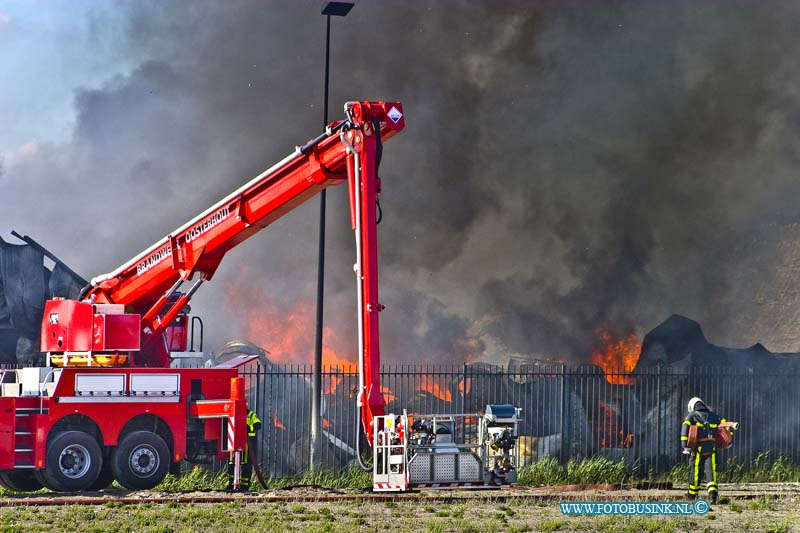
568,412
25,284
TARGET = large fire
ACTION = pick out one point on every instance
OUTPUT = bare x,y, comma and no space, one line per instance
285,330
432,386
617,356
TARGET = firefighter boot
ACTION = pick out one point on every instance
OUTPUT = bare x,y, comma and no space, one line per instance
712,495
247,475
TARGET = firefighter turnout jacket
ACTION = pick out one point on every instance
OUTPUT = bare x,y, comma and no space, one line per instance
253,424
707,423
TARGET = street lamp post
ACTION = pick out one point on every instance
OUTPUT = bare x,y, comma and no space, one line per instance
329,9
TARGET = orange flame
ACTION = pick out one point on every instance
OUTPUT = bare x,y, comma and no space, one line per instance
277,421
430,385
610,434
285,330
465,385
617,357
388,394
330,387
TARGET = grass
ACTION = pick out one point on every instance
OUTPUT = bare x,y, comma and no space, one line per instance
597,470
481,515
351,478
762,470
552,524
763,504
783,526
193,479
202,479
545,472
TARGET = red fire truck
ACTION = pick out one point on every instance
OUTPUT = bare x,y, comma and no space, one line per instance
109,405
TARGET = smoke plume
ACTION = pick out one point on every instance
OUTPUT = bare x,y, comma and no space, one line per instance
566,165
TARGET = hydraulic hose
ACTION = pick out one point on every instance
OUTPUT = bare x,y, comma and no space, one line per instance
361,464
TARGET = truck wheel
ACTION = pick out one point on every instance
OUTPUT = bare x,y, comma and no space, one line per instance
19,481
74,461
140,461
105,478
43,480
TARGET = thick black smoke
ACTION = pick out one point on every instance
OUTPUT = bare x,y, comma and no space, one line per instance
566,166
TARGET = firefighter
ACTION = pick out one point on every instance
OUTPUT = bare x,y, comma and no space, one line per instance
703,457
253,426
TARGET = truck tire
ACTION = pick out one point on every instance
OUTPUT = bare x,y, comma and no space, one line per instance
74,461
43,481
20,481
141,460
104,479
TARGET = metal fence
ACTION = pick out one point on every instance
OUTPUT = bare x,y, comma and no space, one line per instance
568,412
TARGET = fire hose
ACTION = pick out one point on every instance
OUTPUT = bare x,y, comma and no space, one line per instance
251,452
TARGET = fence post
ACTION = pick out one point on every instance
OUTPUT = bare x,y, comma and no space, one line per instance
750,421
564,415
464,390
259,411
658,419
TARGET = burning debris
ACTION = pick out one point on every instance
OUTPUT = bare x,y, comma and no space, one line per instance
628,405
617,357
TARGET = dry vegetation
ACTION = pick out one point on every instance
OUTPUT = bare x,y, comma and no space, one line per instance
477,514
770,507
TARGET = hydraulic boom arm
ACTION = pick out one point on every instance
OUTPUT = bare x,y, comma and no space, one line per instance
147,285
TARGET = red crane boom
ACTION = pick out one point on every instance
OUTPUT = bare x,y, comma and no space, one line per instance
123,315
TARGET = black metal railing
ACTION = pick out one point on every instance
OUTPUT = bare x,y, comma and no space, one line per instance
569,412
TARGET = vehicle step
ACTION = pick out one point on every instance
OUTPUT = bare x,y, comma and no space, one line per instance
23,433
23,450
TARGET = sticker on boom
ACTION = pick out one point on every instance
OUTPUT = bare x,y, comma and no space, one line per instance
394,114
207,224
154,259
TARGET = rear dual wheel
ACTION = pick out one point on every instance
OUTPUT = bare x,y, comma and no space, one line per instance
104,479
141,460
